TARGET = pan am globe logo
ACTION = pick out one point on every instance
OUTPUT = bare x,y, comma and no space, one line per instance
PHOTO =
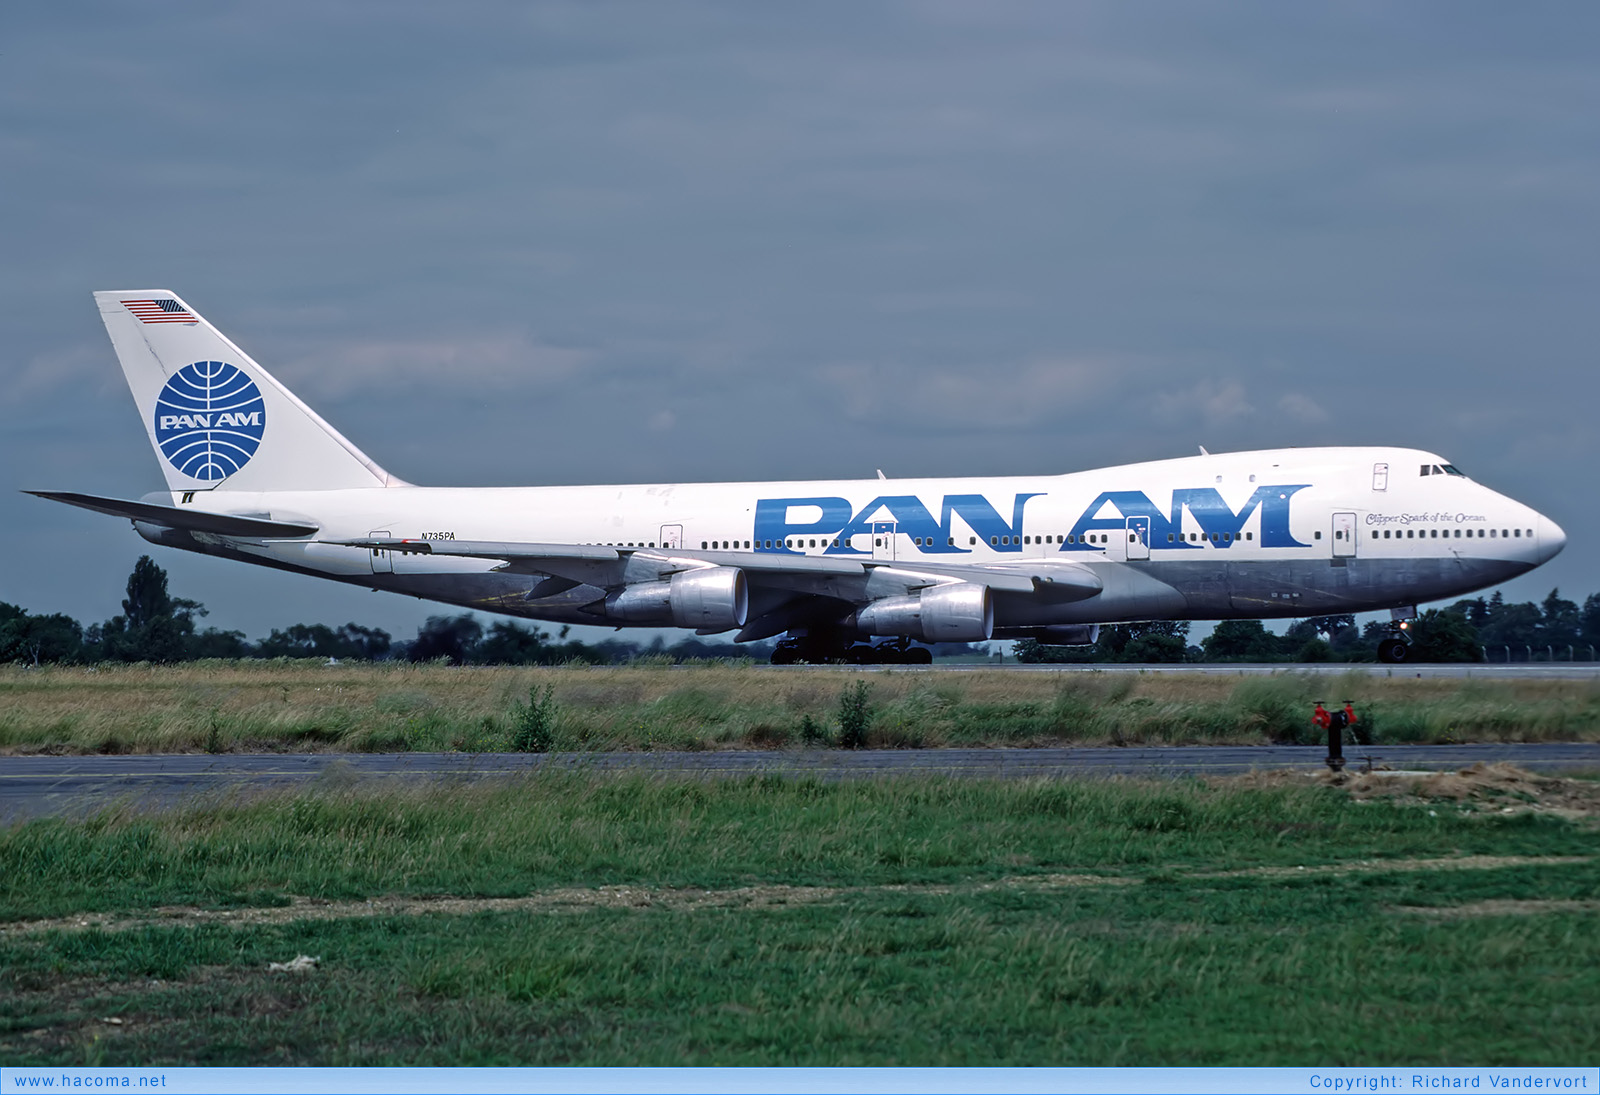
209,420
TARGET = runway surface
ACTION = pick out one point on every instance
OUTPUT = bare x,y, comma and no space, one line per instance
32,787
1535,671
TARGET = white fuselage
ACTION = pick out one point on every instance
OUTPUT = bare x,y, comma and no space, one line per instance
1289,532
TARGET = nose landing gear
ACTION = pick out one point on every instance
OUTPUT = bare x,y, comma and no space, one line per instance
1395,647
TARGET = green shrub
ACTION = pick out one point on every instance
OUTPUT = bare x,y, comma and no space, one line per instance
855,715
534,723
811,732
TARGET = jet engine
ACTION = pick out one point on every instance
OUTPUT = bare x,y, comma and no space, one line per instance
707,599
962,612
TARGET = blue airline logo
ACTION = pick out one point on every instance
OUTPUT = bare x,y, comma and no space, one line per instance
209,420
904,511
835,519
1219,524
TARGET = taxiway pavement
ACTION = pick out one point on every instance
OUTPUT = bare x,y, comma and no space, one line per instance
42,786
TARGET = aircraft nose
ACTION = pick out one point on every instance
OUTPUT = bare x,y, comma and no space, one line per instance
1551,539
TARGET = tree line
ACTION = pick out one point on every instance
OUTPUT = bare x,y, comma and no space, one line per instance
1472,630
155,626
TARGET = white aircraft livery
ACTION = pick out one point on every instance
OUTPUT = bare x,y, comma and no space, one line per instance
254,474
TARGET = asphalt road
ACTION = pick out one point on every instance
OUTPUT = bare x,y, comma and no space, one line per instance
1565,671
32,787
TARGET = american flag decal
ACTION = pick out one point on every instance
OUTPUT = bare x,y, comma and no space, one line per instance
159,311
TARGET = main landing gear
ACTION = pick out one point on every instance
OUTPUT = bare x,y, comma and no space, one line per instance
837,649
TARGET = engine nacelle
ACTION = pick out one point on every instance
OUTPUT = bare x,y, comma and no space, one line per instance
707,599
962,612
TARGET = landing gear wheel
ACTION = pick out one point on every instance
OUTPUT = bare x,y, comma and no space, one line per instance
1394,651
815,649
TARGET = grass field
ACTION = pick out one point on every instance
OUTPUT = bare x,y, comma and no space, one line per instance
572,919
288,706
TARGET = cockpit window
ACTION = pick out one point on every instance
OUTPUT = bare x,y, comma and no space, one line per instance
1441,469
1451,469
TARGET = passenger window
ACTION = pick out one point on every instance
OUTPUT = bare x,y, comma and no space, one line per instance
1410,534
1318,535
1169,537
1227,537
1385,534
1252,536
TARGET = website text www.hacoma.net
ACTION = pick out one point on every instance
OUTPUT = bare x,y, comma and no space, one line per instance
74,1081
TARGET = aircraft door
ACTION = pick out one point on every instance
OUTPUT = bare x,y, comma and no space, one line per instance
1138,538
671,536
382,560
883,537
1344,535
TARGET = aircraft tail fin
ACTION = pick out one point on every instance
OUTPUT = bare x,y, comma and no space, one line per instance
218,420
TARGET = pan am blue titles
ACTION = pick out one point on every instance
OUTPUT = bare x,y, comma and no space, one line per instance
255,475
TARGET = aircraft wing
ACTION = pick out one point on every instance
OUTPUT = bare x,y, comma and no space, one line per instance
220,524
600,565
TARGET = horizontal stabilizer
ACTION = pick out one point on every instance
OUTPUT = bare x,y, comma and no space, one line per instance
219,524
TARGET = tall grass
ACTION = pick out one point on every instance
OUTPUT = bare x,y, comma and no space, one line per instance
508,838
947,922
294,706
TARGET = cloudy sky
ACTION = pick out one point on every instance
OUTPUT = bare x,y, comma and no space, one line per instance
533,243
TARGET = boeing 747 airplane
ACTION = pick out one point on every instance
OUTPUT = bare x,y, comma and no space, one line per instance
254,474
